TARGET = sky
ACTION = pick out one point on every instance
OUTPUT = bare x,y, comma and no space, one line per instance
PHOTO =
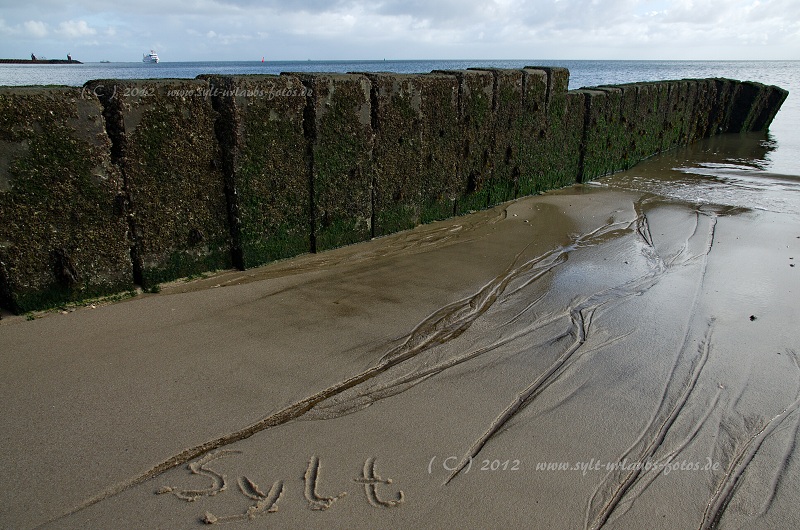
233,30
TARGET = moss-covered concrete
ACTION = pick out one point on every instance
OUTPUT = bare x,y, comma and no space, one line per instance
62,229
474,147
533,126
642,107
415,153
172,165
506,135
565,125
261,130
700,124
338,128
678,108
605,138
148,181
651,106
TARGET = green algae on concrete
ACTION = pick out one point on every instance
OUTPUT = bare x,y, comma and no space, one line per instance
62,231
506,135
192,176
562,143
172,166
700,124
634,135
338,129
678,114
441,182
651,105
261,129
533,132
473,152
415,121
604,145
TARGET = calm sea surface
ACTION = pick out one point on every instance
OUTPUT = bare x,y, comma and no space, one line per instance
783,138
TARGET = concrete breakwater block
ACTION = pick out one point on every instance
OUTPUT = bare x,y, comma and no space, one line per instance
506,135
647,123
604,145
772,98
62,229
338,127
165,144
624,125
474,159
415,152
678,113
753,106
721,106
265,165
639,104
533,132
700,125
562,142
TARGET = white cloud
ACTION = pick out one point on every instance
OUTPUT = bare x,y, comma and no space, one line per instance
5,29
361,29
75,28
36,28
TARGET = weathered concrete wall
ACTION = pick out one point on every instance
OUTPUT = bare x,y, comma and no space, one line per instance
562,144
180,177
475,123
415,154
338,123
62,229
506,136
166,147
265,164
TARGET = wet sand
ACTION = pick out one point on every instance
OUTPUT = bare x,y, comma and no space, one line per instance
619,354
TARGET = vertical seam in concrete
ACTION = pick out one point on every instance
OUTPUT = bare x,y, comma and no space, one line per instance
114,126
6,300
691,126
667,112
374,124
524,99
548,91
587,107
460,174
223,102
310,133
493,142
493,139
495,89
635,118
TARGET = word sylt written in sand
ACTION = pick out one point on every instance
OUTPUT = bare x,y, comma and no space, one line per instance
266,503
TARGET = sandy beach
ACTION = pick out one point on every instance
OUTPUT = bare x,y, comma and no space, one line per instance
621,354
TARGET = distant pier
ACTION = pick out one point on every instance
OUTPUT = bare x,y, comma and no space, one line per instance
39,61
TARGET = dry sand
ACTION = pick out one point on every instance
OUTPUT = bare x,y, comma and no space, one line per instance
427,379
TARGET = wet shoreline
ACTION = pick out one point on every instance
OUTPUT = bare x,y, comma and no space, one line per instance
646,320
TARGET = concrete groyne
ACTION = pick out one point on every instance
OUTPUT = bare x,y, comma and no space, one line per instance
138,182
